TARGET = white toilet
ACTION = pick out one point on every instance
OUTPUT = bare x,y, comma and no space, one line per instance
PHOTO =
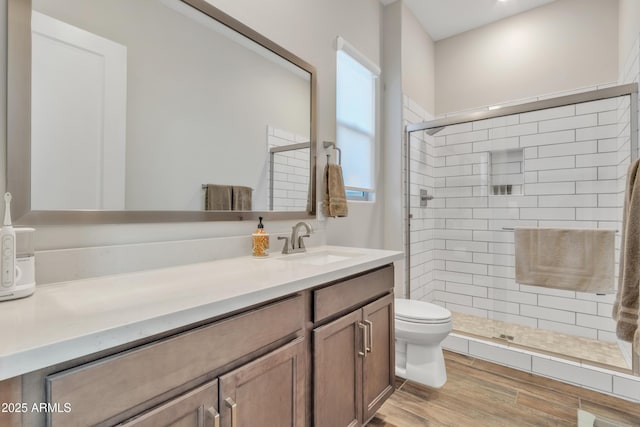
420,329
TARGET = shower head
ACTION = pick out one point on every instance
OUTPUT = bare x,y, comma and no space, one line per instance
433,131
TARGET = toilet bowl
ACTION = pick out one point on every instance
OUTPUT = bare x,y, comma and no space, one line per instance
420,328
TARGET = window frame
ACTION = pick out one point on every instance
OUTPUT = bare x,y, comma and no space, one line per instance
372,134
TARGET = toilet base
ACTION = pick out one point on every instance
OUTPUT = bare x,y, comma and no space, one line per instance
424,365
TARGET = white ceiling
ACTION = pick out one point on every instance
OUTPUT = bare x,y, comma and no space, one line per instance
445,18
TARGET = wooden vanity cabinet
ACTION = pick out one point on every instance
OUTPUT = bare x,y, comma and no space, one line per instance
320,357
354,354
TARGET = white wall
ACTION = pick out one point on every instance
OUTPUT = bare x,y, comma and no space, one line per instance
393,136
561,46
418,62
628,28
393,125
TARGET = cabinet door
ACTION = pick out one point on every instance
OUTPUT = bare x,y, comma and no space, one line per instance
378,366
338,353
268,392
197,408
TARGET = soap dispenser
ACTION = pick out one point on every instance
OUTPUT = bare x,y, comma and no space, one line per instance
260,241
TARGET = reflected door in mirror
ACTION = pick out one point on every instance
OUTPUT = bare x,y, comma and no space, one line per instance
78,118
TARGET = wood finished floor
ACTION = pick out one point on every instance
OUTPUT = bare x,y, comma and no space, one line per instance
479,393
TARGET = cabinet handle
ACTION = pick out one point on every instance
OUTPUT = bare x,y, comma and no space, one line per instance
234,416
369,324
214,416
363,327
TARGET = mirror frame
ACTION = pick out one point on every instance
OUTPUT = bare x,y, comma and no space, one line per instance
18,168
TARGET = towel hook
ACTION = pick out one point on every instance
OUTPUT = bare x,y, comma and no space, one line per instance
333,145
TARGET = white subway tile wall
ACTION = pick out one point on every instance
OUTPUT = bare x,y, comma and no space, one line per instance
423,168
570,163
290,172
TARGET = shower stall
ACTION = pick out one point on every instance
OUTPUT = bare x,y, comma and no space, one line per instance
470,179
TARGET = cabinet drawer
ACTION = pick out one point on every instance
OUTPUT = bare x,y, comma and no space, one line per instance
352,292
103,389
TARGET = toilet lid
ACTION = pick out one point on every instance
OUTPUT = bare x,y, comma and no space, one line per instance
420,311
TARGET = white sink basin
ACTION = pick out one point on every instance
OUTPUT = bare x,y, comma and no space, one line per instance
319,258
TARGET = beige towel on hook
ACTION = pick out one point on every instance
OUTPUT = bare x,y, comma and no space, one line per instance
334,198
218,197
241,198
572,259
626,307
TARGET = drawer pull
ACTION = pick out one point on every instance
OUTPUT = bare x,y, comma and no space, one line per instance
214,417
363,327
234,406
369,324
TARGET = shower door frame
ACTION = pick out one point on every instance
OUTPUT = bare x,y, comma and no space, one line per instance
630,89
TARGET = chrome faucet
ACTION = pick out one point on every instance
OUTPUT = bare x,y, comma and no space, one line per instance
290,243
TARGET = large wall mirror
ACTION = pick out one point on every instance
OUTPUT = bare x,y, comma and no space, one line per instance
151,111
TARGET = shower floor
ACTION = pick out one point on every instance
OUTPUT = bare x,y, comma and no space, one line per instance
601,353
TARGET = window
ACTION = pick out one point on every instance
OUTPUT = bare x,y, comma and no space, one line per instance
356,120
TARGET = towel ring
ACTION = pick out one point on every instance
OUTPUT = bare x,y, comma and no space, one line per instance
333,145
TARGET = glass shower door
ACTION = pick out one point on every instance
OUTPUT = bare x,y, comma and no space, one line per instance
561,166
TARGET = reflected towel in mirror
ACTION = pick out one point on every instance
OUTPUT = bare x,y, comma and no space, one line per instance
241,198
218,197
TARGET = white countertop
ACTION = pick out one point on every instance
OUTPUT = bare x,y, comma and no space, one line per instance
66,320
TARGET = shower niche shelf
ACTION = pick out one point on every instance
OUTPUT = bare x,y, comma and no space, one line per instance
506,172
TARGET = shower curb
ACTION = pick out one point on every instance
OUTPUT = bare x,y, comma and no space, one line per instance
614,383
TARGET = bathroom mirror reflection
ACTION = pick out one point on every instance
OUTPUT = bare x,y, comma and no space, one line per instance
151,106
